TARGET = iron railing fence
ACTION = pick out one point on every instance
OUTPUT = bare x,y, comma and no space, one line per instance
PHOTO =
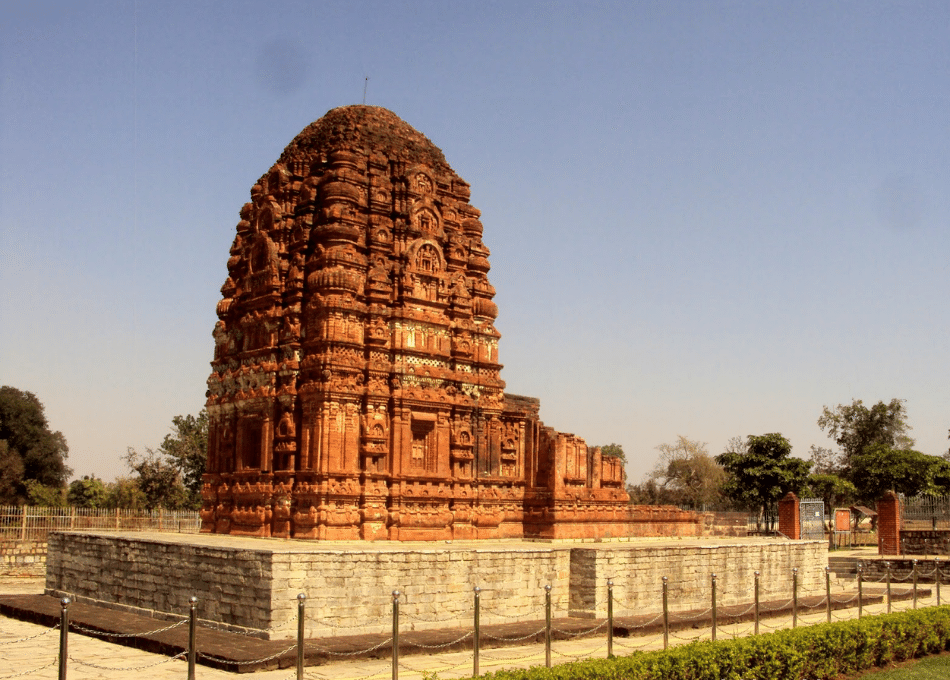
925,512
33,523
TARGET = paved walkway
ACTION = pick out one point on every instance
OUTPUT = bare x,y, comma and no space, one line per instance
30,650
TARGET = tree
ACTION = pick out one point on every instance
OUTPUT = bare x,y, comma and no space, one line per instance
158,480
879,468
88,492
762,473
854,427
648,492
170,476
832,489
688,473
187,447
125,493
29,451
45,496
826,461
614,451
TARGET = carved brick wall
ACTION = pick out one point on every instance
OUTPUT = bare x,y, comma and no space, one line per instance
356,388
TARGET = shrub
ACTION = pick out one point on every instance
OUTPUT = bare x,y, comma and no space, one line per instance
816,652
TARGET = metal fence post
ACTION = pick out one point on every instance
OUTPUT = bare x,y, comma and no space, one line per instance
301,611
937,577
860,589
714,607
192,635
887,566
756,603
476,636
395,635
915,583
610,618
828,592
666,613
547,626
795,597
63,636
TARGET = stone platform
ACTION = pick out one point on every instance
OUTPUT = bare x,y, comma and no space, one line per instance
250,584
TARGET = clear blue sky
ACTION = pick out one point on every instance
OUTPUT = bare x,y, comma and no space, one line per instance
706,218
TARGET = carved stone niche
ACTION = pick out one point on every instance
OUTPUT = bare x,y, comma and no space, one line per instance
423,457
374,444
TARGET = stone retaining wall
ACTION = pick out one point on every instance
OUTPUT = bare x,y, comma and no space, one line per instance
925,541
251,584
637,573
902,571
23,557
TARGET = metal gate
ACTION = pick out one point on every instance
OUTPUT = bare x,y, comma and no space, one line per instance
811,514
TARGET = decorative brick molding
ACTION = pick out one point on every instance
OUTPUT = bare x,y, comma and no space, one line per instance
789,518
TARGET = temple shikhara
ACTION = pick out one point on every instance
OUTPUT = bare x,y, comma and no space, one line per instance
356,388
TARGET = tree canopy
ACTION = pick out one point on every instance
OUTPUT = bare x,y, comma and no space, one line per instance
187,447
762,471
854,426
88,492
613,451
879,468
687,473
170,476
29,450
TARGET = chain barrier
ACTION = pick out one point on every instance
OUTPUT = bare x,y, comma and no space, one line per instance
580,632
127,668
579,656
489,636
734,629
90,631
687,639
403,664
649,641
29,637
743,612
218,659
647,623
678,616
385,642
529,655
371,676
442,646
735,632
403,612
487,610
775,609
31,672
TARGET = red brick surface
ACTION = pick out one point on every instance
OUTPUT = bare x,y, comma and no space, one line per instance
356,389
789,518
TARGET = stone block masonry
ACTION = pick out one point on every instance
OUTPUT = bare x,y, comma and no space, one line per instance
637,571
23,557
250,584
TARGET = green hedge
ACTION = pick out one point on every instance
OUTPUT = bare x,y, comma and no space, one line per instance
813,652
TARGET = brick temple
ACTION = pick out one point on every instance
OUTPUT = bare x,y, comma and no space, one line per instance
356,389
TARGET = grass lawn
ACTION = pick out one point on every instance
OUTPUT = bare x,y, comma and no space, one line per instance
929,668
